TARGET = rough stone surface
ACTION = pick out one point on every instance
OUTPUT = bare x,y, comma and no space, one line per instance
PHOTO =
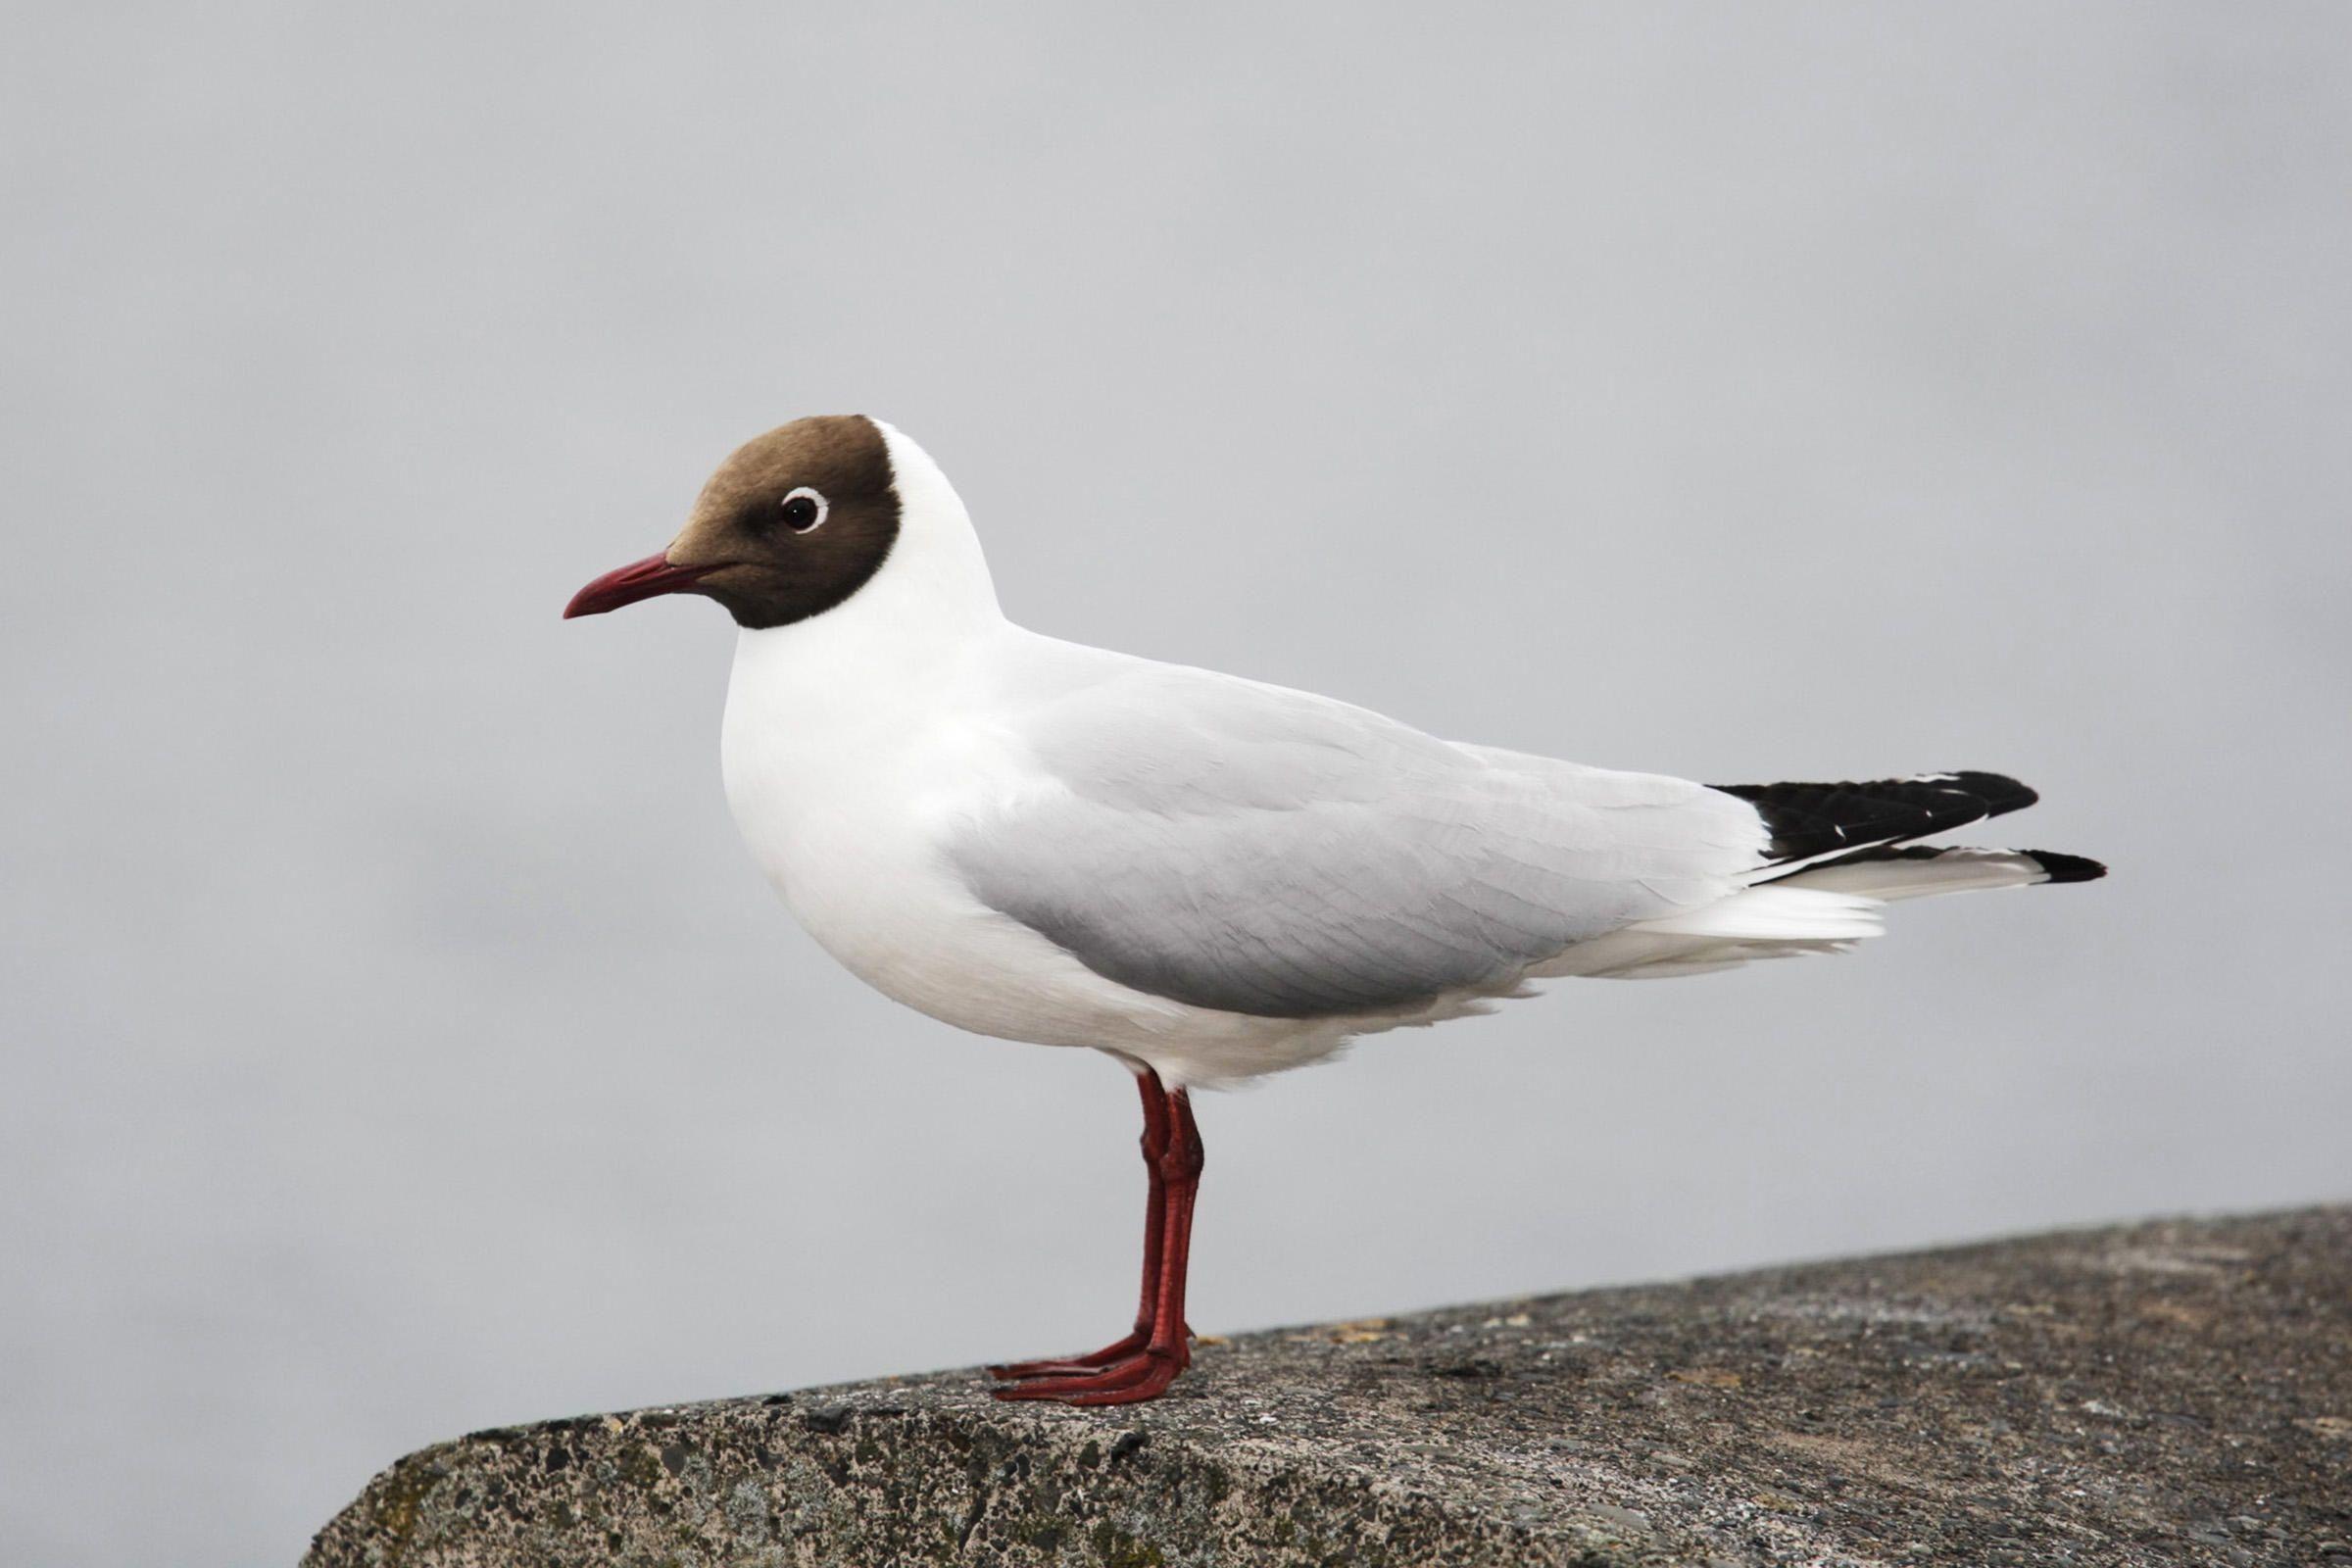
2176,1393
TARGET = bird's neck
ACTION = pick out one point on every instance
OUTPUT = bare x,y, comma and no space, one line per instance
891,641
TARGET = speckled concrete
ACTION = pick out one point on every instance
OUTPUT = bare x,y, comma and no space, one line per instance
2170,1393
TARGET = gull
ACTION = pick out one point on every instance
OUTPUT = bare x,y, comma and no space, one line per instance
1208,878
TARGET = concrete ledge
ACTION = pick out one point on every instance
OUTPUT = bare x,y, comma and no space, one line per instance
2178,1393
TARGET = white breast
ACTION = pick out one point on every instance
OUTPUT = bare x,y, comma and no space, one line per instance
834,782
842,787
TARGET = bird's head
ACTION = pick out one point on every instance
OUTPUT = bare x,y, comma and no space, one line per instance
792,525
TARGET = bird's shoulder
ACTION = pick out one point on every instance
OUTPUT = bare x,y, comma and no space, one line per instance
1099,719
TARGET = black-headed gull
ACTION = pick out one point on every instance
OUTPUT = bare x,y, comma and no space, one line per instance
1206,877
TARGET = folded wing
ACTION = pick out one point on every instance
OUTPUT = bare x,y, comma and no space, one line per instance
1255,850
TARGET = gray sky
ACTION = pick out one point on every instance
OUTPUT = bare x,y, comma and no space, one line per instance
394,1040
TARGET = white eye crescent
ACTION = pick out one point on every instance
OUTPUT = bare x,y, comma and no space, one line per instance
804,509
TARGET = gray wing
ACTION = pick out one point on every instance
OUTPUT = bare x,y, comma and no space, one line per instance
1260,851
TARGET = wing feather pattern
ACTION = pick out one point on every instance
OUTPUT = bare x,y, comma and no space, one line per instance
1261,850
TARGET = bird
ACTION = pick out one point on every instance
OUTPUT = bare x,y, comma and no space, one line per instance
1208,878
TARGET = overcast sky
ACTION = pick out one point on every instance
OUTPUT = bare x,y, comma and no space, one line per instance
394,1040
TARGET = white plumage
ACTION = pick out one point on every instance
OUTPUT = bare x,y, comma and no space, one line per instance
1219,878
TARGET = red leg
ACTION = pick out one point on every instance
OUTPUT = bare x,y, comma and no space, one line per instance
1156,1124
1146,1374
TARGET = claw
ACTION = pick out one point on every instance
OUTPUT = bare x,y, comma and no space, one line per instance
1144,1376
1075,1366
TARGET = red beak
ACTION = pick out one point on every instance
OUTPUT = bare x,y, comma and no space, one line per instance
639,579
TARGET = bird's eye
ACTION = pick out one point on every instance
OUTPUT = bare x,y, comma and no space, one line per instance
804,509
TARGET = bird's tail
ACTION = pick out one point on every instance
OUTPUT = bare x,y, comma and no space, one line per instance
1840,854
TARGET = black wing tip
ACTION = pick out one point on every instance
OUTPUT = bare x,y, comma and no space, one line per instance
2067,867
2000,793
1807,820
